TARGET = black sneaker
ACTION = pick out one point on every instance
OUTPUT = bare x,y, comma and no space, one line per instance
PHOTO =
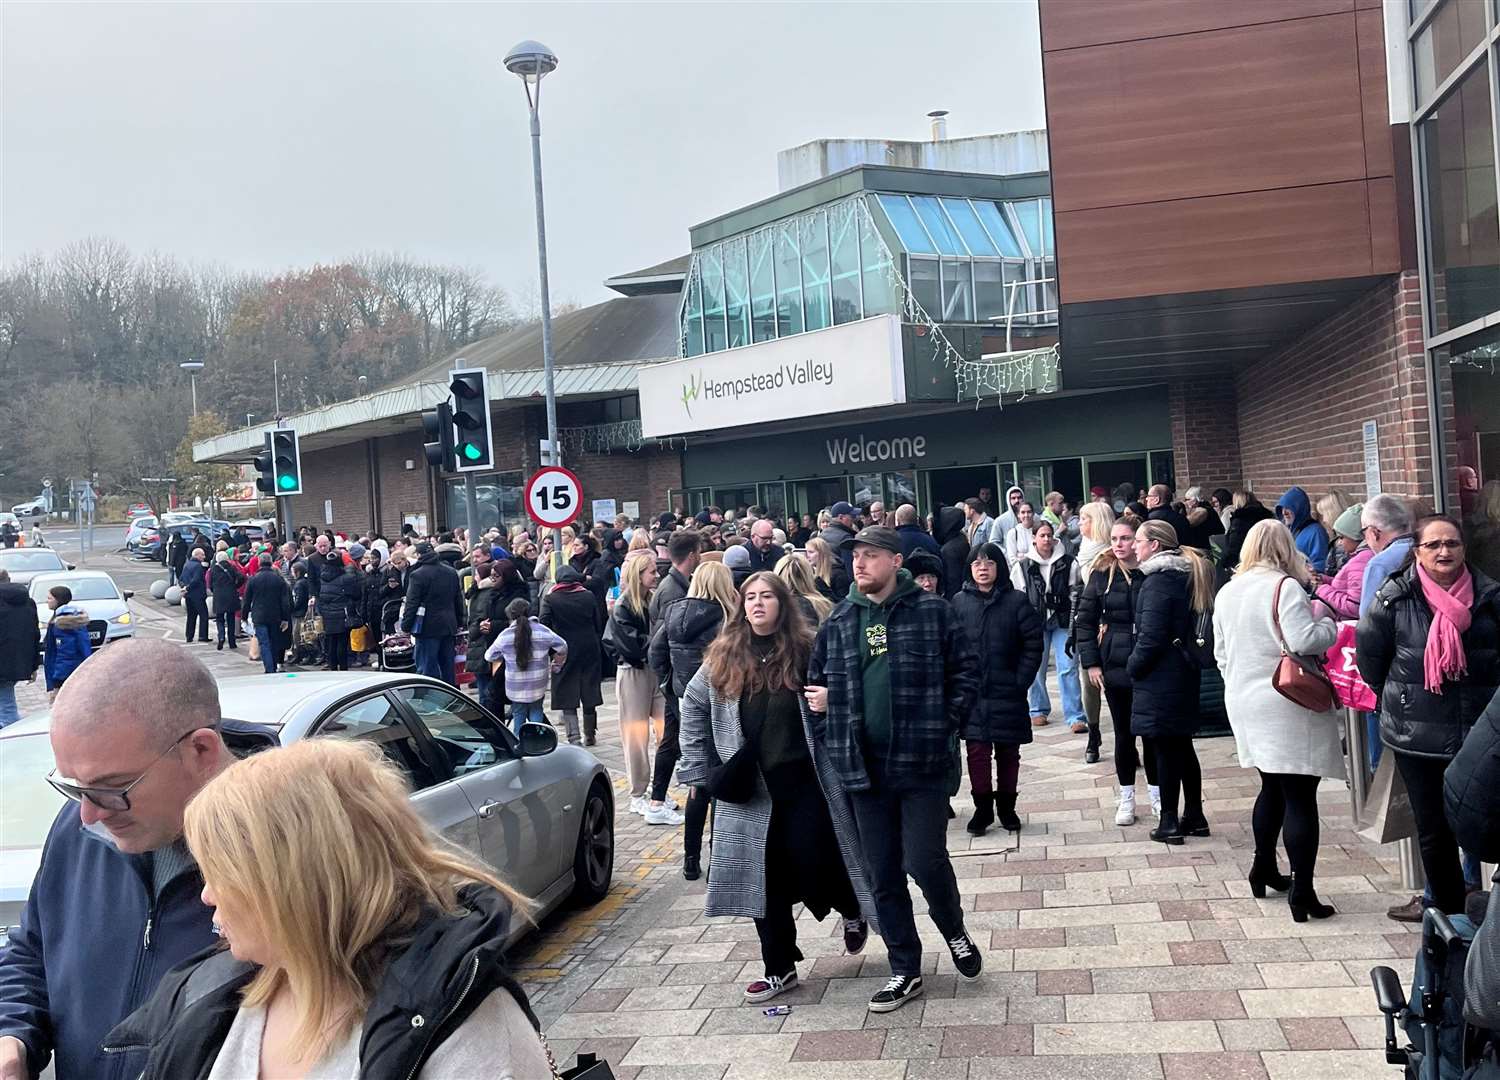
898,990
770,986
856,933
966,957
692,868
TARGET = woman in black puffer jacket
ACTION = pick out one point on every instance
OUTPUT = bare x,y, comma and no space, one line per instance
1426,727
1176,589
1006,631
1104,637
340,603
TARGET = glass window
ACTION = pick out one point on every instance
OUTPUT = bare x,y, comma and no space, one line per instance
876,270
376,720
1458,153
468,736
1029,213
762,286
989,291
908,228
772,498
845,239
788,279
963,217
958,291
82,589
499,496
737,292
692,315
866,488
900,487
1471,442
1049,238
815,300
734,500
942,233
1450,35
922,279
715,333
998,228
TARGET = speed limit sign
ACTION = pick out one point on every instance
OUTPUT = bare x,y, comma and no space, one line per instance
553,497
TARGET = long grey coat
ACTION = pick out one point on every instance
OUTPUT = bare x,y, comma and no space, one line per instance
737,867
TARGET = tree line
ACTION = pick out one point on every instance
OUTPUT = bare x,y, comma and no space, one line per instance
91,338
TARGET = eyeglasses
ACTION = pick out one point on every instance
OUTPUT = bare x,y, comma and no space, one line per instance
107,798
1441,545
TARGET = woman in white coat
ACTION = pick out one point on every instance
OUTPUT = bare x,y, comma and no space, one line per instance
1291,747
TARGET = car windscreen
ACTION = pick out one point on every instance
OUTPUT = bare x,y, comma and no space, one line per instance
30,803
28,562
82,589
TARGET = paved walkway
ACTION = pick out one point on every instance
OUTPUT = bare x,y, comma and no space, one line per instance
1108,956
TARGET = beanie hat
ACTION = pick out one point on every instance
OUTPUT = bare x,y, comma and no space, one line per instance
356,551
1347,523
703,517
737,557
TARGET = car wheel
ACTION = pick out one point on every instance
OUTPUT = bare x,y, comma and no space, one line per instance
594,858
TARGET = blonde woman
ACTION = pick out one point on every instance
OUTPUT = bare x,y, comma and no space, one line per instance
797,572
1095,520
1328,509
823,563
637,691
1292,748
337,947
639,541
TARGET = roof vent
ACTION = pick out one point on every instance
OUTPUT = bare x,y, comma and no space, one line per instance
939,118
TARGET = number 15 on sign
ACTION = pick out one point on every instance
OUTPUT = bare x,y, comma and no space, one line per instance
553,497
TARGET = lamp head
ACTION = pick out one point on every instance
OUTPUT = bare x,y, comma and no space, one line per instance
530,60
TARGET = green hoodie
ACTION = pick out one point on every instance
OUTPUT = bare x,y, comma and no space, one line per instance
876,662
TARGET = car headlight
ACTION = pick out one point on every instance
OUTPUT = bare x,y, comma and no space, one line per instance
121,619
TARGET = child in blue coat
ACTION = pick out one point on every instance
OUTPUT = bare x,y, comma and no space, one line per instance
67,641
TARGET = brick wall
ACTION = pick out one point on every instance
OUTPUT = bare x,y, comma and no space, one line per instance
644,477
1205,433
1301,409
400,490
340,474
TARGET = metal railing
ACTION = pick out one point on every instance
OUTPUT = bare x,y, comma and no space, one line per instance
1038,314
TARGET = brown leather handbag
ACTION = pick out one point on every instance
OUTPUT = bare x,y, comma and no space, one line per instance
1300,679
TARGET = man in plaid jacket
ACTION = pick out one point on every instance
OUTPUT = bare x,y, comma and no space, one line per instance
891,676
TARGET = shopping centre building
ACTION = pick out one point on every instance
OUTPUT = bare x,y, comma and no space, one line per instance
1257,245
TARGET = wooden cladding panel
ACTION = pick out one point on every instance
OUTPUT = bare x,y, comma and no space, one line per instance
1370,28
1219,242
1069,24
1238,110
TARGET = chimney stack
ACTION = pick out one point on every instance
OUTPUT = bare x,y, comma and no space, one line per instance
939,118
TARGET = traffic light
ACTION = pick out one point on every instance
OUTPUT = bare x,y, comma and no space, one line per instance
265,483
474,443
286,462
437,429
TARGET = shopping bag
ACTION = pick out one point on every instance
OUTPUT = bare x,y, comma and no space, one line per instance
1387,814
359,639
254,648
1343,672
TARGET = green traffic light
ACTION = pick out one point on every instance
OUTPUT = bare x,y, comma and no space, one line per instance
472,452
286,482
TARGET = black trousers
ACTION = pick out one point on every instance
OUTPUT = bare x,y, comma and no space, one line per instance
694,817
1177,768
1287,808
1424,784
197,617
228,624
1126,758
336,649
667,749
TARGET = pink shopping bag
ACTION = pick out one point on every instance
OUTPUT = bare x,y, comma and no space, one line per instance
1344,674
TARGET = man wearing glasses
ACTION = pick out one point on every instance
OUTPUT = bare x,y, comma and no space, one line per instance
115,903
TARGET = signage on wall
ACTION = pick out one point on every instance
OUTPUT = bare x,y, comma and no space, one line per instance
1372,460
861,451
632,510
604,510
553,497
854,366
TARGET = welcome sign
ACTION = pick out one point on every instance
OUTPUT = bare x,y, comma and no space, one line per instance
854,366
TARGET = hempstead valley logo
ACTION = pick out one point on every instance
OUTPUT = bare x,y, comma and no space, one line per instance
690,391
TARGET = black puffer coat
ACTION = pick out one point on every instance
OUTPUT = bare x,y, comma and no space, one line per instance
224,581
1240,522
1471,787
1391,643
1110,605
1165,682
20,638
678,642
490,603
1006,633
341,598
948,531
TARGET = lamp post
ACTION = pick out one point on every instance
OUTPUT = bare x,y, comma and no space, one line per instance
531,60
192,367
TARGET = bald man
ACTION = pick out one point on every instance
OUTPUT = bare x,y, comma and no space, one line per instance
765,553
136,732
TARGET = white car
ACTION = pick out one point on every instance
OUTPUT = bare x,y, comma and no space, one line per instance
29,509
99,597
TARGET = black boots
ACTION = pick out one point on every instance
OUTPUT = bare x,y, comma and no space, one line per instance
1168,830
1304,902
1005,811
1263,874
1194,823
692,867
984,814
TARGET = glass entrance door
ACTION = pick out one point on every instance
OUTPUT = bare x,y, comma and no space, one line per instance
810,496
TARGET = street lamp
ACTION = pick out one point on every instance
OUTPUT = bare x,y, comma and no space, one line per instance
249,419
192,367
531,60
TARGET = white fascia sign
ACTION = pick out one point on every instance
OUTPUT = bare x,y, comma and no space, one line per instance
854,366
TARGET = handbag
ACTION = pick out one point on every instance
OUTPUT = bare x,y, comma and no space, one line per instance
359,639
588,1066
1299,679
1353,692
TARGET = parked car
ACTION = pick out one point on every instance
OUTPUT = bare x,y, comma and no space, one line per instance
33,508
151,545
94,591
541,814
24,564
136,533
139,510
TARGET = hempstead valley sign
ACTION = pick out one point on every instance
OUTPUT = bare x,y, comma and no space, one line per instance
854,366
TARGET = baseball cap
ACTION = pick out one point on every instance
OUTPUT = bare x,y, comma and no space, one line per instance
839,509
876,536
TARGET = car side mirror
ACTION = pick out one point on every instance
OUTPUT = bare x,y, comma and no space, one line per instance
71,566
128,593
538,740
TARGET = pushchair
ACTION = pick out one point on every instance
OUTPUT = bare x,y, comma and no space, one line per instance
397,653
1442,1045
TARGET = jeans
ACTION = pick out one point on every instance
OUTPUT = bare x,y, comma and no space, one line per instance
10,713
1424,784
482,680
1037,699
1372,739
434,658
907,832
526,712
266,637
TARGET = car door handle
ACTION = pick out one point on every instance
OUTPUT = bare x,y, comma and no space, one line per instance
488,808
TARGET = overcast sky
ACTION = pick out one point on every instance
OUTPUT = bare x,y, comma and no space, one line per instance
268,136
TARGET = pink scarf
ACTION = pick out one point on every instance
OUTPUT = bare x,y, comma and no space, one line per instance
1444,657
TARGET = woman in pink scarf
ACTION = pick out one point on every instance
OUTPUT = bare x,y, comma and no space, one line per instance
1430,647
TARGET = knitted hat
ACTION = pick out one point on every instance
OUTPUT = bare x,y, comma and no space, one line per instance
737,557
356,551
1347,523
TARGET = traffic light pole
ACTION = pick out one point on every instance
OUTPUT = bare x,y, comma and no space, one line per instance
284,508
471,506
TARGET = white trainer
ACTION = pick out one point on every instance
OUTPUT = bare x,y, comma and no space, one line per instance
1155,793
639,804
662,815
1125,815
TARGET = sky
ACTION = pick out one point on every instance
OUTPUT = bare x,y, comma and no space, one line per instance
271,136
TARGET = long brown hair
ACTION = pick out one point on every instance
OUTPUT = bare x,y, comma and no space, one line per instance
732,664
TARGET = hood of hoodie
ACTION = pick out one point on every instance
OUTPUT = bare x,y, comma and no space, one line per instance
949,523
1045,563
70,617
905,586
428,559
1018,490
1166,560
1295,500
